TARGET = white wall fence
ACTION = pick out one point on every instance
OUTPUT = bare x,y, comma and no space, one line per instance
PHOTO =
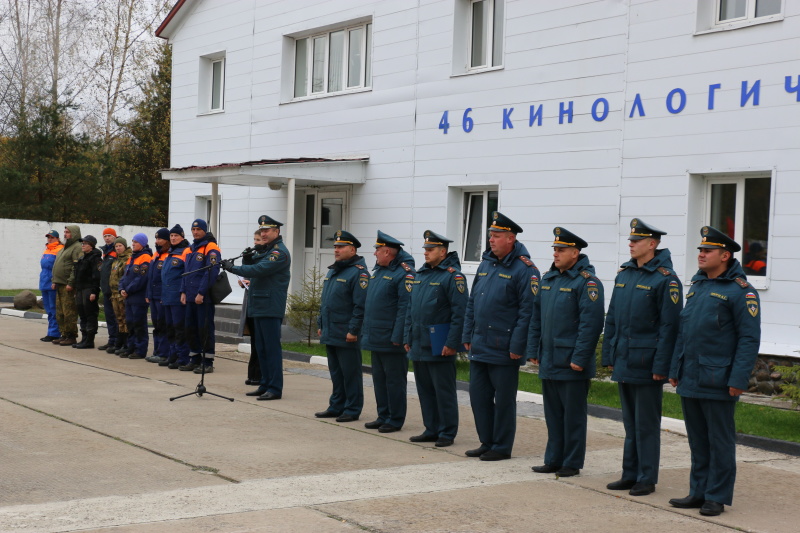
24,242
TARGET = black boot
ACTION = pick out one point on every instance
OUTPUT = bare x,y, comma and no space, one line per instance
109,343
122,341
86,343
82,342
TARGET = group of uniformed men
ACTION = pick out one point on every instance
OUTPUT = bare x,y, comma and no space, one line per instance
512,314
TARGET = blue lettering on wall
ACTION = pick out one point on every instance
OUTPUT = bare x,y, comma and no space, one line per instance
507,118
466,122
444,124
536,114
754,92
789,89
637,104
711,89
601,117
562,111
682,102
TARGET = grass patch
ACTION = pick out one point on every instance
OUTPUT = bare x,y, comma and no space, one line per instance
14,292
751,419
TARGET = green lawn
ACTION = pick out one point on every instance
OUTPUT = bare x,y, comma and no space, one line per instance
780,424
14,292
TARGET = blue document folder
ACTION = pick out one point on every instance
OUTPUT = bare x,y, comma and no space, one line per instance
439,333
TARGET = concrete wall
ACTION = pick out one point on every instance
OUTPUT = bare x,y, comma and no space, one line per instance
24,241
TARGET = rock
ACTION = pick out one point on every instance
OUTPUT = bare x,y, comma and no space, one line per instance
752,389
766,387
762,375
40,303
772,363
24,300
778,388
752,383
775,376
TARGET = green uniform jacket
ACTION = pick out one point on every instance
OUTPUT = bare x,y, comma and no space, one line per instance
64,267
269,273
344,293
386,305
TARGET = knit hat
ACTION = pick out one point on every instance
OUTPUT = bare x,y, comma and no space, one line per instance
109,231
122,241
163,233
178,230
200,224
90,240
141,238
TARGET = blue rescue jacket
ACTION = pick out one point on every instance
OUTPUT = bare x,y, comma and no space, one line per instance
387,303
134,280
642,320
719,336
566,322
204,252
344,292
173,269
500,305
47,262
269,273
439,296
154,283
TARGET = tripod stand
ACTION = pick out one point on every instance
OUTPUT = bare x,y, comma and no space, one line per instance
201,388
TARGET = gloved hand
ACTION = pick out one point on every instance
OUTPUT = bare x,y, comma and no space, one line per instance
227,264
248,252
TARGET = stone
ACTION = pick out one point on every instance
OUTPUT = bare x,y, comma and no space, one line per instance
752,383
775,376
40,303
760,365
766,387
762,375
24,300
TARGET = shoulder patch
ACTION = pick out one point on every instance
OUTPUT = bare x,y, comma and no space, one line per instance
360,267
586,274
664,271
451,269
406,267
525,260
742,282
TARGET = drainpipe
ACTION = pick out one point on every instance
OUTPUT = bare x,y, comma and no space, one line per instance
288,237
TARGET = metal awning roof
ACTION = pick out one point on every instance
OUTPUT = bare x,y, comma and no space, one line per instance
307,171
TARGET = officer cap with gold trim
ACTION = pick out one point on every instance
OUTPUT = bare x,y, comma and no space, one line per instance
387,241
345,238
640,230
500,222
714,238
567,239
266,222
432,240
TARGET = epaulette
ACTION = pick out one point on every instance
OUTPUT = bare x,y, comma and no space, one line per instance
362,267
586,274
452,270
525,260
275,247
620,269
664,271
406,267
742,282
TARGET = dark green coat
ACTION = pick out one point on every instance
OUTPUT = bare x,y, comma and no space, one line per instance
344,292
269,273
387,302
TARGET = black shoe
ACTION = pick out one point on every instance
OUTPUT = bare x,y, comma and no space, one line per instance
152,358
112,350
135,355
492,455
443,443
258,392
106,346
252,382
477,452
173,365
375,424
269,396
689,502
165,362
566,471
209,369
710,508
327,413
48,338
57,340
346,418
388,428
546,469
423,438
642,489
188,367
621,484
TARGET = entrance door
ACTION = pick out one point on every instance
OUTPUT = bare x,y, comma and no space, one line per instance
326,213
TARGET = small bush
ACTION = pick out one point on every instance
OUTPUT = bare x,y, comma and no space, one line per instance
304,305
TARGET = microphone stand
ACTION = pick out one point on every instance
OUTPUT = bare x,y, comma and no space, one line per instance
201,388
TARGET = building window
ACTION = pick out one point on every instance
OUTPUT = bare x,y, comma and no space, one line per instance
740,207
485,33
740,10
333,62
478,209
211,90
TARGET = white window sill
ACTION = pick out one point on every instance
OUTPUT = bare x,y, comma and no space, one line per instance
477,71
327,95
735,25
214,112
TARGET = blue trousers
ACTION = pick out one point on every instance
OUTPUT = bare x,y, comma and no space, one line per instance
390,381
565,411
111,319
49,302
641,415
493,396
436,388
136,320
270,353
199,326
175,317
160,337
344,364
712,442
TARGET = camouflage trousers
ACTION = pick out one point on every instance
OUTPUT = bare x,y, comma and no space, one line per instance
119,311
66,312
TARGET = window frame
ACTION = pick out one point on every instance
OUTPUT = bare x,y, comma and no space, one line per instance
466,206
708,21
366,57
488,55
749,16
205,86
211,108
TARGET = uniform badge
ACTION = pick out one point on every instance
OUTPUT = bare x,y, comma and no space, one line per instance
634,223
363,280
160,265
144,267
175,262
592,290
272,257
461,283
213,260
409,282
199,257
557,231
752,304
535,285
136,268
674,291
704,231
494,216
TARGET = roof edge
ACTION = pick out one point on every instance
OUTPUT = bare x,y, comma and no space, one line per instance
170,16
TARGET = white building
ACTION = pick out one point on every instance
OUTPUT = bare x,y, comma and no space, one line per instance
405,115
